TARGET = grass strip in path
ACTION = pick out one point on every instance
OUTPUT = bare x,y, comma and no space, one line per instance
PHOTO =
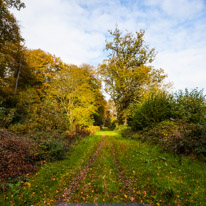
130,192
102,183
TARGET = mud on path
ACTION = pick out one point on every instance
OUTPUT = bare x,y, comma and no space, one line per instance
65,197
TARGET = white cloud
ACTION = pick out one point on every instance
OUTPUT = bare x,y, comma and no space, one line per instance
75,30
186,68
178,8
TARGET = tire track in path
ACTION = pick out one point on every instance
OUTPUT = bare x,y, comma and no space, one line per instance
130,192
75,181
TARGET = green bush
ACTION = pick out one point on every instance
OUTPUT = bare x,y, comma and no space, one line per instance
19,128
51,149
177,137
156,108
190,106
6,115
124,130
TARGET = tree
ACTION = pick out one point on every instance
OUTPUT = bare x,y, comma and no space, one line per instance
126,72
10,48
75,91
37,71
13,3
39,68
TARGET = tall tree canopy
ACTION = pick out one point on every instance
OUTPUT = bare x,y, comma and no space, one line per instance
10,46
126,72
77,92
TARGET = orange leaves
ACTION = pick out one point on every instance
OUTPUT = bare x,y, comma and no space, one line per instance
27,184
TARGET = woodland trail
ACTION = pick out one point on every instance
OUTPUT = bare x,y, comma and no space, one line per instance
82,175
124,171
102,179
108,169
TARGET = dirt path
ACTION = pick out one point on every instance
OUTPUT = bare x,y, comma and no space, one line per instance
101,178
82,174
130,192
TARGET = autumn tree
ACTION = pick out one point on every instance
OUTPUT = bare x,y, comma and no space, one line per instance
100,103
10,47
38,69
76,92
126,72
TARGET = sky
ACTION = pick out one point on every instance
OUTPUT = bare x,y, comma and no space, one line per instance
76,30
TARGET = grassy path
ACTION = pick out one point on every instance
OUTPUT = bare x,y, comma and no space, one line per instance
111,169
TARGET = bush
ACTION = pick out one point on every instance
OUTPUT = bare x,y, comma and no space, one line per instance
191,106
51,149
16,155
177,137
19,128
89,130
156,108
188,106
6,115
124,130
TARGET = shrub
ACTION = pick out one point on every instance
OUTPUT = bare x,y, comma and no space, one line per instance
156,108
16,155
6,115
188,106
178,137
191,106
19,128
93,129
51,149
124,130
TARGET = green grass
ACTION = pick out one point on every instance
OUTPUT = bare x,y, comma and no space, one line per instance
156,178
102,183
51,180
160,177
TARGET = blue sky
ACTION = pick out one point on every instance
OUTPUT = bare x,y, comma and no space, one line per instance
75,30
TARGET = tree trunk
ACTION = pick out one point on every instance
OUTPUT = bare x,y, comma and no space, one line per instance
17,78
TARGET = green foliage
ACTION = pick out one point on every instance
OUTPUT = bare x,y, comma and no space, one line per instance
123,130
6,115
191,106
156,108
48,115
187,106
19,128
176,136
141,173
125,73
51,149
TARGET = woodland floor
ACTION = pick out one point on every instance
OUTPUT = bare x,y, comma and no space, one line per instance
106,168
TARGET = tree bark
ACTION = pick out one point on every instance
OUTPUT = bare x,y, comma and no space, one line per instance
17,78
